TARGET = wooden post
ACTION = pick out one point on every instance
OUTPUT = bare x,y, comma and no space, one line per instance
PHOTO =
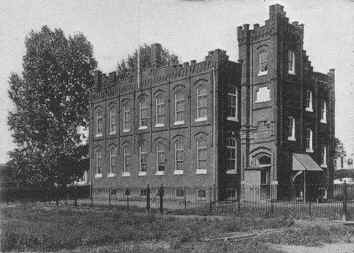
161,193
345,199
304,186
109,196
185,197
148,198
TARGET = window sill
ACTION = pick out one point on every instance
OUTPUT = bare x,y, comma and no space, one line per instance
98,135
111,175
98,175
262,73
309,150
160,173
126,130
291,72
200,119
142,127
232,119
324,166
231,172
112,133
181,122
160,125
291,138
323,121
308,109
141,173
126,174
178,172
201,171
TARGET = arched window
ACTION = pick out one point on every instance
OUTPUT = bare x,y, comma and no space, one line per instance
143,113
143,159
202,155
323,111
324,156
308,101
291,62
126,117
160,111
264,163
291,128
202,103
112,161
232,104
99,122
263,63
231,155
160,157
179,108
98,163
112,120
179,156
125,160
309,141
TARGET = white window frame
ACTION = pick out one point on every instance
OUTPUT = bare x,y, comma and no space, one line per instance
263,62
112,156
292,128
143,106
160,150
324,156
201,170
233,148
263,95
179,147
323,111
141,153
99,121
126,154
291,62
177,101
309,102
112,119
309,140
98,162
126,118
202,93
160,103
232,96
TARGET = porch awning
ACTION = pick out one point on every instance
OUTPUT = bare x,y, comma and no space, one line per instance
304,162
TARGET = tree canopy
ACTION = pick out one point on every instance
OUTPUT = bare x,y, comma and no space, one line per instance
51,104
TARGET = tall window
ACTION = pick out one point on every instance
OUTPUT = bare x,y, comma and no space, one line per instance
99,122
179,154
125,161
143,114
309,141
98,163
263,63
323,111
232,102
161,158
202,155
112,120
291,62
112,161
231,155
291,128
179,107
126,118
308,101
324,156
143,158
160,111
202,103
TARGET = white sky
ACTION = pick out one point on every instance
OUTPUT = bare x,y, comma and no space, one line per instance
187,28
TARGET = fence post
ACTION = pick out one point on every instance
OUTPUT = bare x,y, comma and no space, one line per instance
91,196
127,193
185,197
148,198
210,199
109,196
161,193
345,199
310,214
75,195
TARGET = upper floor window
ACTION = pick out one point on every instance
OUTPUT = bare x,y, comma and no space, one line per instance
98,156
179,155
291,128
143,160
231,155
309,140
291,62
323,111
160,158
202,155
232,104
112,120
262,95
99,123
125,161
160,111
324,156
308,101
202,103
143,114
179,108
126,118
262,63
112,161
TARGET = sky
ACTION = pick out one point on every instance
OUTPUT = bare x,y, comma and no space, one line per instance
187,28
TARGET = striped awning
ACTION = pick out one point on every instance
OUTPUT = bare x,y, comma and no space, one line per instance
304,162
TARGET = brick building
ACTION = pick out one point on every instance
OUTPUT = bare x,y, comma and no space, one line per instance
261,121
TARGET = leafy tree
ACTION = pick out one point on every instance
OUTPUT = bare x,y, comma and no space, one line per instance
339,148
130,64
51,104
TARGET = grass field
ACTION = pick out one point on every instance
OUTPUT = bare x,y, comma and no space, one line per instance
66,229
